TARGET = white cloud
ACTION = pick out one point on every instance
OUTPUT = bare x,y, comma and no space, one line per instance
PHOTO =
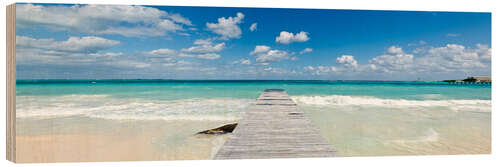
260,49
309,68
275,70
246,61
204,46
227,27
264,55
101,19
390,63
107,54
484,52
306,50
287,37
73,51
395,60
208,56
347,64
452,61
273,55
179,19
452,35
242,61
264,64
89,44
163,53
454,57
348,61
253,27
127,63
203,49
321,70
324,68
178,63
394,50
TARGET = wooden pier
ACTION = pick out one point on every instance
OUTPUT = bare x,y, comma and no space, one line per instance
275,128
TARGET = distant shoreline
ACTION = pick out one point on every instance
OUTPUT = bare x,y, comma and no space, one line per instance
216,80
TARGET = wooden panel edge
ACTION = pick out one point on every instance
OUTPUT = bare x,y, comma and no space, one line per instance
11,82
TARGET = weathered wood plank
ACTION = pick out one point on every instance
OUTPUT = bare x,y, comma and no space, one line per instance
275,128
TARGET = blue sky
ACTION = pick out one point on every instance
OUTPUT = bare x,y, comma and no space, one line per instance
130,42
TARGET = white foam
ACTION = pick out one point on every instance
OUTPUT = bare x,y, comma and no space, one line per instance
430,136
338,100
108,107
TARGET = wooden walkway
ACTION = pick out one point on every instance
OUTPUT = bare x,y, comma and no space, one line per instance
275,128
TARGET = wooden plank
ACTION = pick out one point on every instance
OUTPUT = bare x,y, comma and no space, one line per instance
275,128
11,83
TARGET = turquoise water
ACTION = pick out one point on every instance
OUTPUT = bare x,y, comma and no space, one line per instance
170,90
359,118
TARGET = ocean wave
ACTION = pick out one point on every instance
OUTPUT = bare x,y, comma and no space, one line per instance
109,107
339,100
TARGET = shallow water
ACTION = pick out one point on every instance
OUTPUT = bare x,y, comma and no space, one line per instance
378,130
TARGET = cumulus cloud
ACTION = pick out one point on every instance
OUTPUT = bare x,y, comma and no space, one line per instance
107,54
71,51
454,57
126,20
451,58
242,61
264,54
347,61
309,68
260,49
89,50
273,55
171,54
162,53
321,70
253,27
227,27
127,63
454,60
208,56
179,19
204,46
484,52
178,63
202,49
306,50
275,70
395,50
287,37
395,60
89,44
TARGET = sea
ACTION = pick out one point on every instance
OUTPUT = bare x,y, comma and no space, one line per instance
359,118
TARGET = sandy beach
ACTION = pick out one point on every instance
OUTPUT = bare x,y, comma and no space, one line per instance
123,141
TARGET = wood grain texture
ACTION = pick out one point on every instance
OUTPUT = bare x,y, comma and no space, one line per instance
11,82
275,128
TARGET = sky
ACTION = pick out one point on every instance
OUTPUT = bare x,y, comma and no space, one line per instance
67,41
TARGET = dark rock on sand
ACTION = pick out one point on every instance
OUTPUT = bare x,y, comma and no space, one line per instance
220,130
